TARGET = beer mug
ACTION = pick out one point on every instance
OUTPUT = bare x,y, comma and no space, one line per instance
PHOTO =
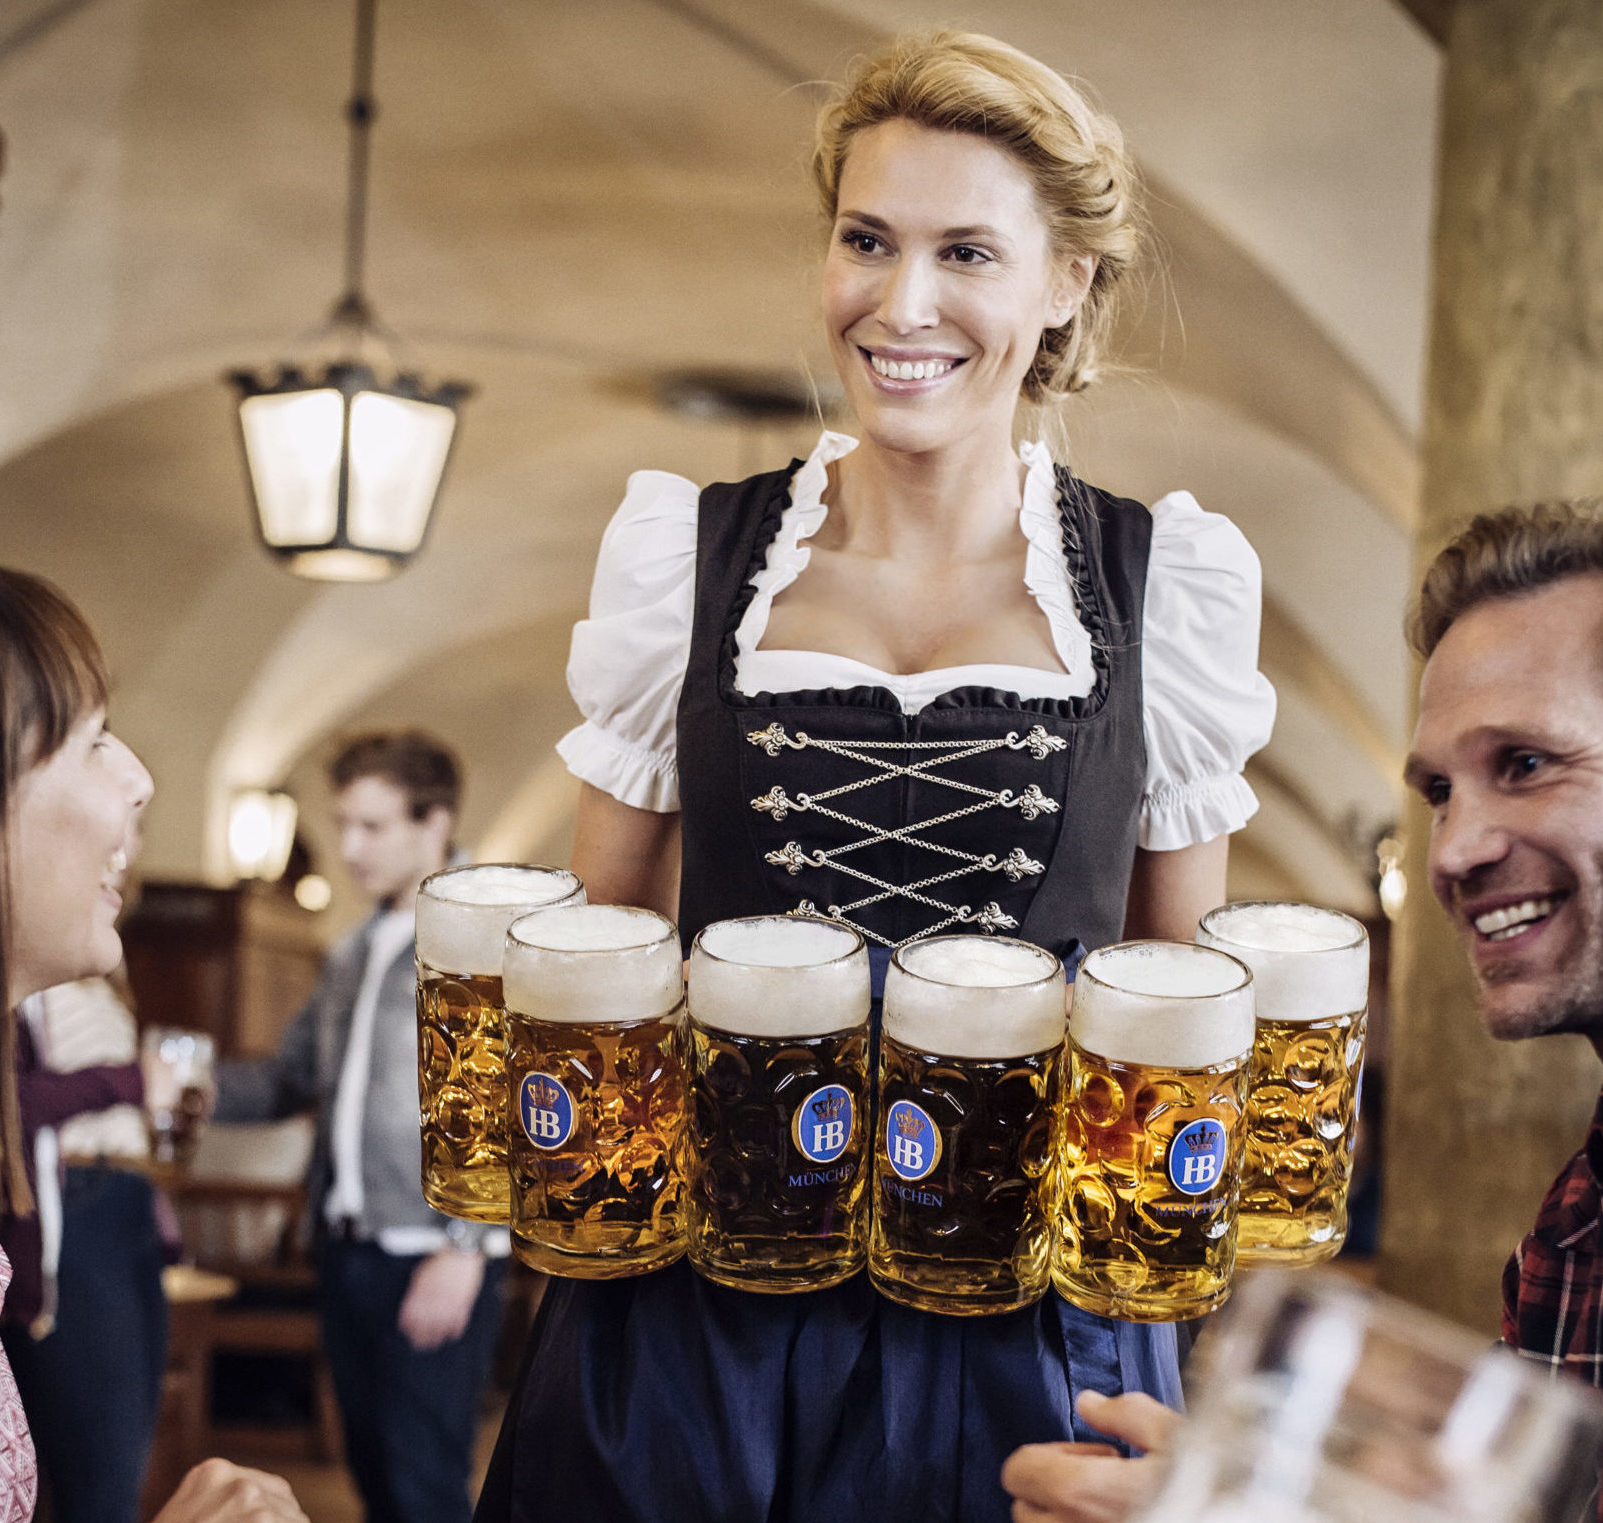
595,1060
779,1113
968,1079
1319,1402
177,1068
1150,1155
462,919
1310,979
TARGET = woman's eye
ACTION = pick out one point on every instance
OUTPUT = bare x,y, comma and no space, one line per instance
965,253
860,242
1436,792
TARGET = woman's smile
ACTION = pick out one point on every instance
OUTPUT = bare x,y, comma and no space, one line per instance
900,373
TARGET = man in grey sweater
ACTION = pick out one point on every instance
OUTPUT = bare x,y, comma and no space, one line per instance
410,1299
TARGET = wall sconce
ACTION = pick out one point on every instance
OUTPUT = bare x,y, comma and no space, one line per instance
261,832
1393,881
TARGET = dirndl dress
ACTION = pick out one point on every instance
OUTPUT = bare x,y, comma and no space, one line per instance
667,1399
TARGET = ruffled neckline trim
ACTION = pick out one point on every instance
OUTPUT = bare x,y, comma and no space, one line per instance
1046,576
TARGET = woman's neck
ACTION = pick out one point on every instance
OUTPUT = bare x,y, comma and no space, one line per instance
936,506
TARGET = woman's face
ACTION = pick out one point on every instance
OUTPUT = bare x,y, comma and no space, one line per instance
939,281
70,833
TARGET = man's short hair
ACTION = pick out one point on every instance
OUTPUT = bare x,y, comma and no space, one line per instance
1503,554
423,768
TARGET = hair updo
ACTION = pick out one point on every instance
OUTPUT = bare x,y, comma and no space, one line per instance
1074,154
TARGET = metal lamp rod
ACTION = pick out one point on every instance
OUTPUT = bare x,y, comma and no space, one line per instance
352,308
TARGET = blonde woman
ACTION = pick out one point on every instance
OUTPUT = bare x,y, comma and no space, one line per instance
1036,700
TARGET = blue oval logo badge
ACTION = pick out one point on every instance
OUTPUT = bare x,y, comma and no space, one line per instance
546,1109
912,1141
822,1125
1197,1156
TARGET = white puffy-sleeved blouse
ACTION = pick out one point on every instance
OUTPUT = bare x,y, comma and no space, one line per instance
1207,707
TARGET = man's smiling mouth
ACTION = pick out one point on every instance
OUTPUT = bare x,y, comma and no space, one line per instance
1507,921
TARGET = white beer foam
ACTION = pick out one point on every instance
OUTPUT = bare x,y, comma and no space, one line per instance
777,976
974,997
1165,1004
1308,963
463,913
592,963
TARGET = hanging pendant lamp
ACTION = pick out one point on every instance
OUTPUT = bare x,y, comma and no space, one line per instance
344,466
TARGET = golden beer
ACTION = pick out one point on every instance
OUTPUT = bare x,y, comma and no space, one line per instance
462,919
1150,1150
596,1070
1311,981
779,1110
968,1076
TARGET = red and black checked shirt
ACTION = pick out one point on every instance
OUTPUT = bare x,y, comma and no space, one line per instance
1553,1286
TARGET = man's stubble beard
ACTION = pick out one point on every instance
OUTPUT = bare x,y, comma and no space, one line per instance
1576,1002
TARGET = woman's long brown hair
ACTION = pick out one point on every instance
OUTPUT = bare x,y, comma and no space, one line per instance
52,674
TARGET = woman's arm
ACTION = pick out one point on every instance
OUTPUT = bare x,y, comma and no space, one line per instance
626,855
1170,891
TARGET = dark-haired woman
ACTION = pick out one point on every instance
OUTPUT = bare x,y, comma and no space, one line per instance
70,798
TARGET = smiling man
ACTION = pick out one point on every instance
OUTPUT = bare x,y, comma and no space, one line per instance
1508,755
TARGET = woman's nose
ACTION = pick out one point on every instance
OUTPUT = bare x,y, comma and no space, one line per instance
908,300
140,783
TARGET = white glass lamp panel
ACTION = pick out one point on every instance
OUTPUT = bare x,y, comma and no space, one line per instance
398,450
292,441
261,833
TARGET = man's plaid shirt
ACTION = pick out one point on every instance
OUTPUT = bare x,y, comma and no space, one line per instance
1553,1286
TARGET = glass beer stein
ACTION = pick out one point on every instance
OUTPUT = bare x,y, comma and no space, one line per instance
462,919
1321,1403
1310,978
177,1069
968,1077
779,1108
595,1063
1150,1152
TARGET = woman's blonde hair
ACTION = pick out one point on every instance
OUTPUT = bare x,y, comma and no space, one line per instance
1074,154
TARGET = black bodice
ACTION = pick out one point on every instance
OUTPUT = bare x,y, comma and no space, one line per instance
983,811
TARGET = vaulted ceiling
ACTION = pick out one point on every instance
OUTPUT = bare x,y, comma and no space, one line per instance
569,199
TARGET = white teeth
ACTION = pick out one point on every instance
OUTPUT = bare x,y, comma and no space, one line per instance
1499,925
910,370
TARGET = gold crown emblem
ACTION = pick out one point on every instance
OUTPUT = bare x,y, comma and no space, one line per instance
908,1124
544,1093
829,1107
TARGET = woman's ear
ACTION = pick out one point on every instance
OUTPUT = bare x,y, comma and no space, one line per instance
1071,282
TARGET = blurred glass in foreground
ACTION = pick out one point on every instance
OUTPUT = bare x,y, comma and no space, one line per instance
1322,1403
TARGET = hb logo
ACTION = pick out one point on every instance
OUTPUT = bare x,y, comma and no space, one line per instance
1197,1156
822,1124
546,1109
912,1141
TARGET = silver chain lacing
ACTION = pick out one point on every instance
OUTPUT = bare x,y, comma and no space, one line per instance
1031,804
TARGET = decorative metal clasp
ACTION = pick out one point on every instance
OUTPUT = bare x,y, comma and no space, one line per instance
991,919
779,803
1037,742
1032,803
793,859
774,739
1018,864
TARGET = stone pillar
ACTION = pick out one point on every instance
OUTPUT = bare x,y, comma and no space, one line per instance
1514,413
